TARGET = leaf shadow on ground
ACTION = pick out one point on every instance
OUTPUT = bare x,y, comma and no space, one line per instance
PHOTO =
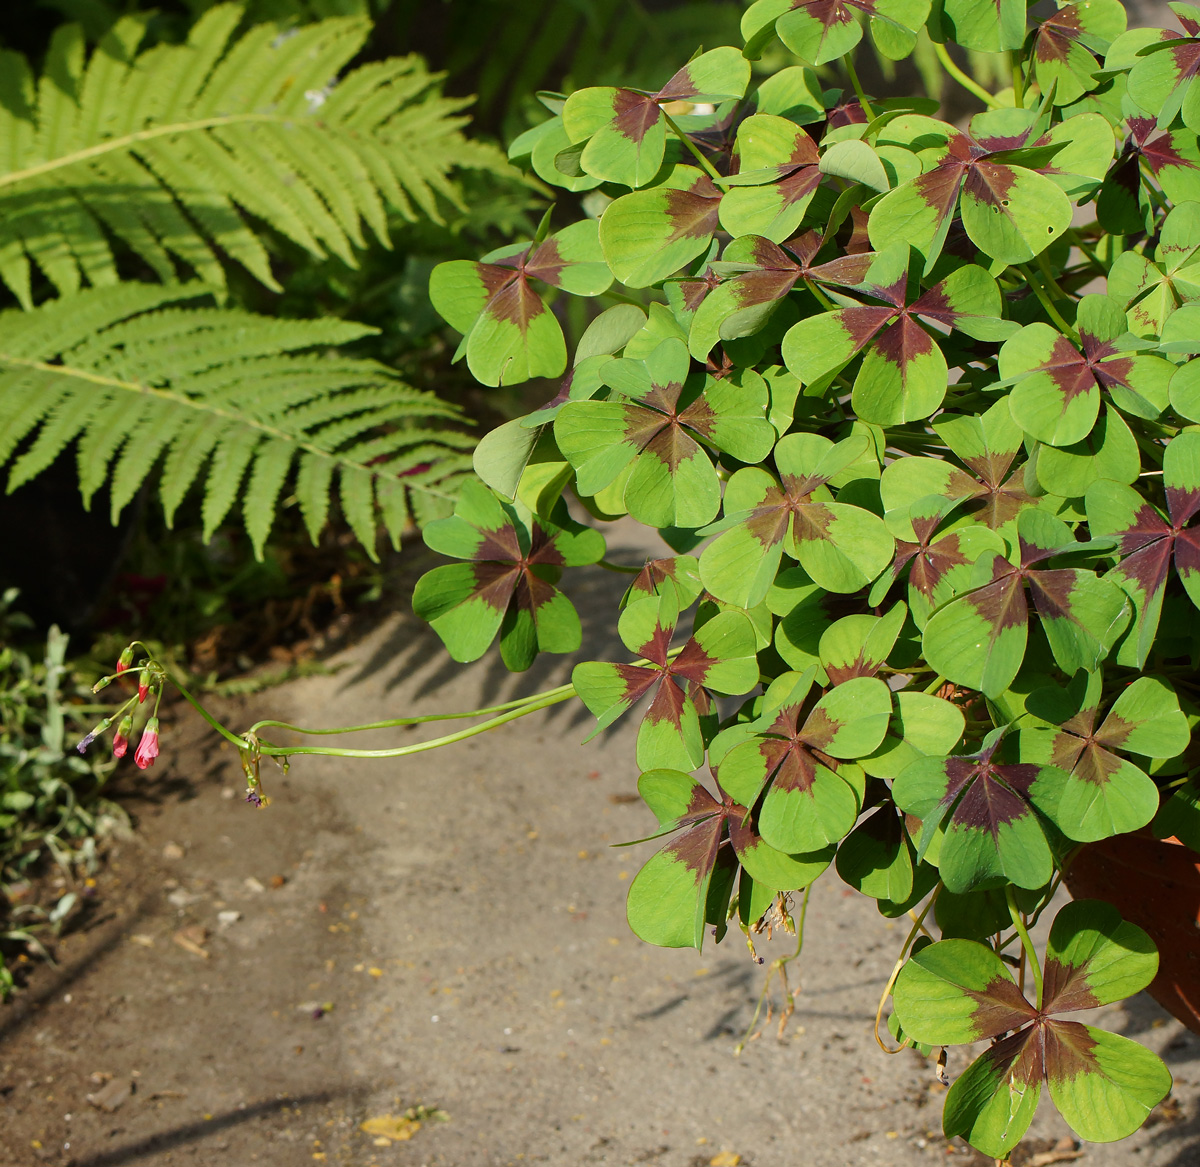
190,1133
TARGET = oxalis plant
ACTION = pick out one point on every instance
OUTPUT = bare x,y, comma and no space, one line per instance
911,404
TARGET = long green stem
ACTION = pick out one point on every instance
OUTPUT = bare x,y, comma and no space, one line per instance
1018,80
918,924
553,697
820,296
1027,944
705,164
396,722
1051,311
228,735
966,82
848,59
1051,283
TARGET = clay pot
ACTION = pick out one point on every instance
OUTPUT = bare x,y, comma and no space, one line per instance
1154,883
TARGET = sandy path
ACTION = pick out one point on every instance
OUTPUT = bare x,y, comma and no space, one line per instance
463,913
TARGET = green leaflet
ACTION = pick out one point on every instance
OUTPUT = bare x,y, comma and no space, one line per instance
958,991
657,420
809,804
1105,794
509,333
624,130
842,547
819,33
508,584
649,234
978,639
720,657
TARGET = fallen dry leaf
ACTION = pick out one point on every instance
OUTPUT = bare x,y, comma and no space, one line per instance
112,1096
142,939
393,1127
725,1159
191,939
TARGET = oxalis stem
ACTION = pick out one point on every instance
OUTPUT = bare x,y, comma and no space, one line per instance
966,82
914,931
396,722
543,701
859,92
1031,954
705,164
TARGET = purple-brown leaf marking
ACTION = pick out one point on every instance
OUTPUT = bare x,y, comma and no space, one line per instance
671,446
1002,603
931,562
634,114
516,303
668,703
1056,35
546,263
638,680
862,323
1067,1050
990,804
655,649
903,342
655,572
692,212
693,663
494,583
696,848
999,1007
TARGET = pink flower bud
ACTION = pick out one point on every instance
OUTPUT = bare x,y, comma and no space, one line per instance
125,660
143,684
121,737
147,749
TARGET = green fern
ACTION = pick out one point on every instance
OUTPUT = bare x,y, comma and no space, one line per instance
226,396
177,151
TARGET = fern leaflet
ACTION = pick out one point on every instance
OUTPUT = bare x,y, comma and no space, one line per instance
175,151
138,374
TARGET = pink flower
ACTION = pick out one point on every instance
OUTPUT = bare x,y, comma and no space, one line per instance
143,685
147,749
121,737
126,660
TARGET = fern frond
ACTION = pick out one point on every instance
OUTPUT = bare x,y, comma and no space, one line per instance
169,150
139,375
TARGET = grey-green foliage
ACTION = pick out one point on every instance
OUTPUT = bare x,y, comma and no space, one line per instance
47,791
225,396
185,155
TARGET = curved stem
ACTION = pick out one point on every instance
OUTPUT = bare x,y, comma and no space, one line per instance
604,563
705,164
1018,80
848,60
554,697
396,722
820,296
1034,966
1046,302
228,735
966,82
918,924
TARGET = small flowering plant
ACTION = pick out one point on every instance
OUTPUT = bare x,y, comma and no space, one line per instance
914,405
